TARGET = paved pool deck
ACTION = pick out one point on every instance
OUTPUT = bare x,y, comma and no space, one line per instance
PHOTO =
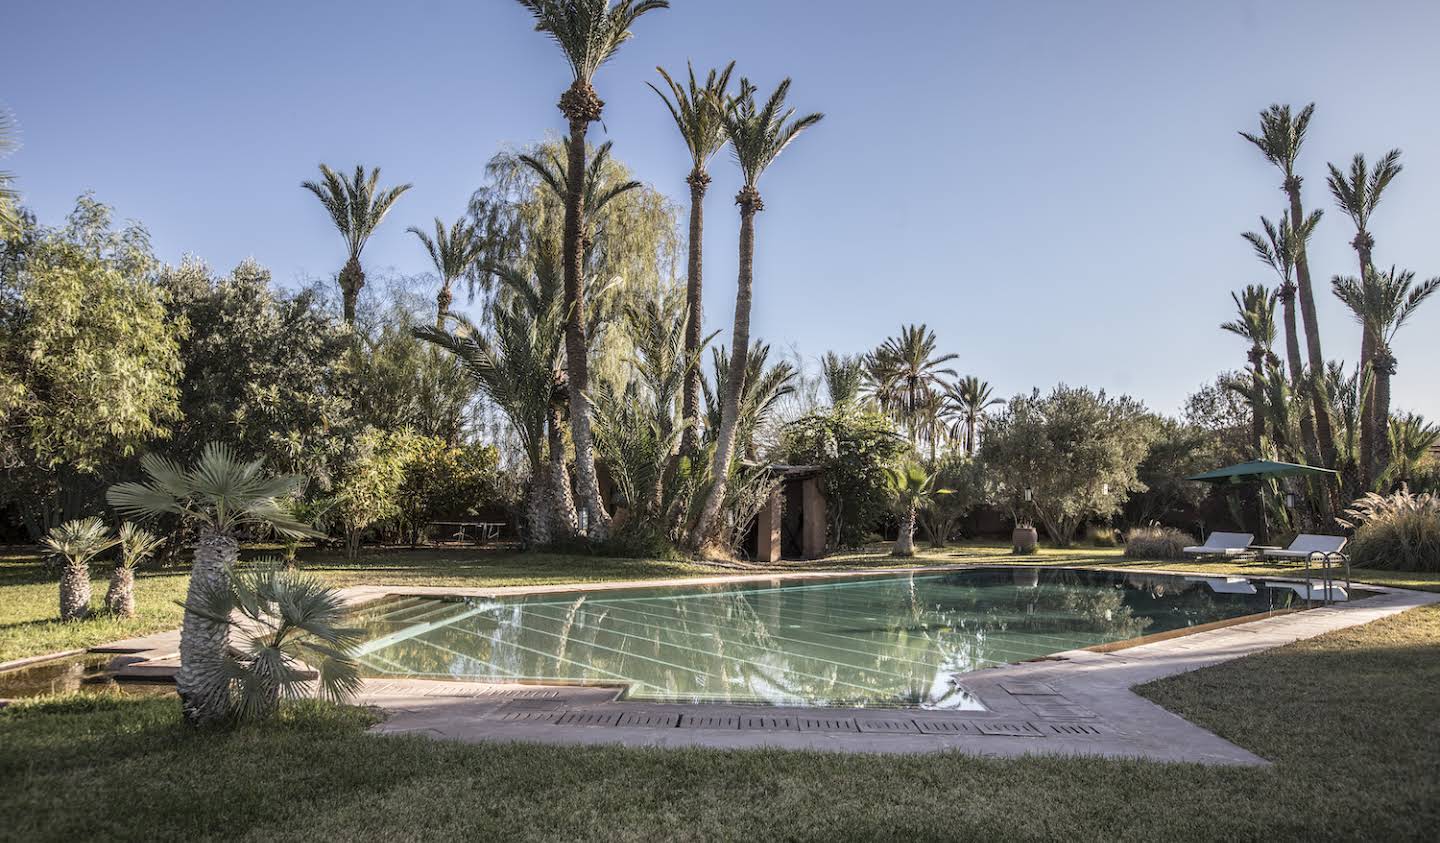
1074,703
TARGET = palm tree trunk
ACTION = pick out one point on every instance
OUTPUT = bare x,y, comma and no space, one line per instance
74,592
564,524
1311,444
1324,430
538,510
204,644
442,305
695,312
749,201
1366,411
577,359
1257,438
120,596
905,539
1384,365
352,279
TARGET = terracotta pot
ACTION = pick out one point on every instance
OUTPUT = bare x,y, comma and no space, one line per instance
1024,539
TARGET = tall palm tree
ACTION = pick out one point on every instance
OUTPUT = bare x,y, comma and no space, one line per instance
1279,248
968,399
758,134
908,374
588,32
137,544
844,375
1280,138
72,546
699,113
1382,303
453,253
223,496
1358,194
1255,308
356,206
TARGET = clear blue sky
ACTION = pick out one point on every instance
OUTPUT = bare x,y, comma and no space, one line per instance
1056,187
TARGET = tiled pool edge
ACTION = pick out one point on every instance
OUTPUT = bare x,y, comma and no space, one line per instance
1078,702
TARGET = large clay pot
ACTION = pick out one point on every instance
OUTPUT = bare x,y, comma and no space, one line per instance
1024,540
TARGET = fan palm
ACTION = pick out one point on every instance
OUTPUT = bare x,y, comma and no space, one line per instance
1358,194
356,206
758,134
914,490
1279,248
588,32
1281,136
908,373
699,114
223,496
1255,308
453,253
287,624
843,375
968,399
1382,303
1412,439
72,546
136,546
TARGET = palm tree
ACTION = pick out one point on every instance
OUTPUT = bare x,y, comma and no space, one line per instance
1280,138
699,113
290,623
136,545
72,546
844,375
1255,307
1358,194
908,374
600,188
757,137
968,399
357,207
1279,248
914,490
453,253
9,200
589,32
1411,441
1382,303
223,496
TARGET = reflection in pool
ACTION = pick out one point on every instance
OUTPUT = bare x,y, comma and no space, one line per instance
862,641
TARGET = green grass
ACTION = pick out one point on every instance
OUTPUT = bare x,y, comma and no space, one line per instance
1349,720
28,590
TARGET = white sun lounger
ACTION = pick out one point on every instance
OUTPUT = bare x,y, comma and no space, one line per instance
1223,544
1306,544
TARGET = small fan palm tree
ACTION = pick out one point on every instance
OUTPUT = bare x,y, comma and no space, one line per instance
1382,304
589,33
844,376
968,399
453,252
288,629
137,545
908,373
758,134
914,490
1282,134
72,546
699,113
357,206
223,495
1358,193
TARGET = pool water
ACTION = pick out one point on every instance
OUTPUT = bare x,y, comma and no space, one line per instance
891,640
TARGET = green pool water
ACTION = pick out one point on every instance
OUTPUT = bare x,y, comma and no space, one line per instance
892,640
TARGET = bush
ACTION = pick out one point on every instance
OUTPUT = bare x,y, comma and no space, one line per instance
1156,542
1399,532
1102,535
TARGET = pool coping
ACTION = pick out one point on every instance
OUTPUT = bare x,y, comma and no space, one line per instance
1072,703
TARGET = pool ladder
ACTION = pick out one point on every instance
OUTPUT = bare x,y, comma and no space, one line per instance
1325,564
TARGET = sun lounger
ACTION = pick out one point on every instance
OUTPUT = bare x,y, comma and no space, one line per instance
1223,544
1306,544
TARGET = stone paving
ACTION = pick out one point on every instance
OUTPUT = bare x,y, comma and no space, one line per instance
1077,702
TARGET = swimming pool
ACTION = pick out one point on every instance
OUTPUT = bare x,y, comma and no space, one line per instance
887,640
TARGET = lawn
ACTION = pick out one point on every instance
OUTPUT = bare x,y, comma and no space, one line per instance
1349,720
28,589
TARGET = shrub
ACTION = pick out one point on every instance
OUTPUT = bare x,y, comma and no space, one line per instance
1102,535
1156,542
1399,532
